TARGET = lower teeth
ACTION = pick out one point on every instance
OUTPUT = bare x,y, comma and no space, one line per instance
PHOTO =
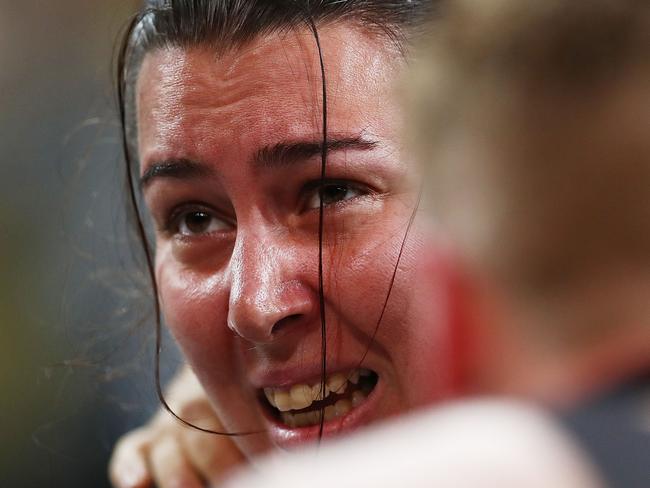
331,412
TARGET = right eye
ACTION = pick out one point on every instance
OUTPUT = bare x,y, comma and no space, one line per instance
199,222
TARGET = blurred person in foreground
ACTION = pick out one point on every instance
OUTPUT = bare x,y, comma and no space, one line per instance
532,119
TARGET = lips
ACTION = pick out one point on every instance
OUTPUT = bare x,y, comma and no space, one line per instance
294,411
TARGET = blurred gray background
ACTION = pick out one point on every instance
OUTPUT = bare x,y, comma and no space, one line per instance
76,327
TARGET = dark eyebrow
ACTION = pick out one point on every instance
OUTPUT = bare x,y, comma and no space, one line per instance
288,153
281,154
174,168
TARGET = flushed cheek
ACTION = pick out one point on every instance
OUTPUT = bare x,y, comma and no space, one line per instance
409,336
423,372
195,309
422,335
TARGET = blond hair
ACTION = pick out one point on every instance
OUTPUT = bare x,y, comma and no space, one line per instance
532,119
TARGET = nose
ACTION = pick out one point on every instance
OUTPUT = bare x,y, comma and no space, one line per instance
268,294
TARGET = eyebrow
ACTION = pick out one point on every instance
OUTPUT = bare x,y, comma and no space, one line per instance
277,155
174,168
289,153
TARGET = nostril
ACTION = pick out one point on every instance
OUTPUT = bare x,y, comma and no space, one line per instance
282,324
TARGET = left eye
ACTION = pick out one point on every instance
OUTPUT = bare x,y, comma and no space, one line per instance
332,193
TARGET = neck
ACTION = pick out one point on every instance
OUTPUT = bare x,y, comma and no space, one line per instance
566,378
561,354
564,370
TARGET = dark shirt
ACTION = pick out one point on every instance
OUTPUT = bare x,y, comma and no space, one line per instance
614,430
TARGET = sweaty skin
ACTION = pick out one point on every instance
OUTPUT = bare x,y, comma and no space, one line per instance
237,224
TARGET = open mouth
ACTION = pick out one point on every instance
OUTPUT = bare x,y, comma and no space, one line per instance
302,405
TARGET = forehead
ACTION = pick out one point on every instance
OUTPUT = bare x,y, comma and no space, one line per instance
192,101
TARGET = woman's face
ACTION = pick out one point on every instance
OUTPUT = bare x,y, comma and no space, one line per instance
230,165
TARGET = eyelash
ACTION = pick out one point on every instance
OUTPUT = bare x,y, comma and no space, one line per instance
313,188
174,222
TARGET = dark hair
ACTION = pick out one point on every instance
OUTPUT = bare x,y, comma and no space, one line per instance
230,24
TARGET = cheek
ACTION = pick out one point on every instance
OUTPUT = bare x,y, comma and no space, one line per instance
358,273
423,362
412,331
423,333
363,268
195,309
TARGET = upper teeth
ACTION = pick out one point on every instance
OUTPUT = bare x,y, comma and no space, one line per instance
302,395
